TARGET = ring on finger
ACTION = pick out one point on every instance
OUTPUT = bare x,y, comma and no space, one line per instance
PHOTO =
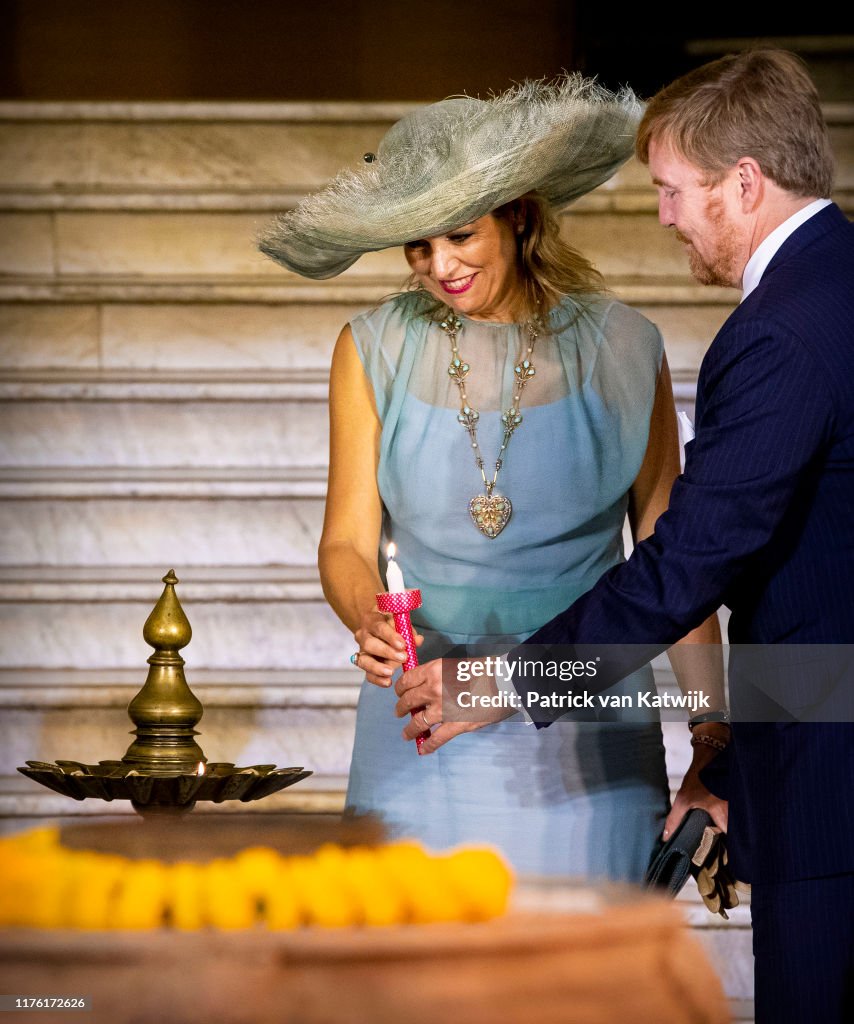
423,714
354,658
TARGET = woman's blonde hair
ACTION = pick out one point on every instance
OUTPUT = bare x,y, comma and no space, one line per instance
550,267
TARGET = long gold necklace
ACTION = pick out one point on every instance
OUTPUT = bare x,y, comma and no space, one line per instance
490,512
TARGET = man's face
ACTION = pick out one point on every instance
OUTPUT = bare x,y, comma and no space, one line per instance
705,216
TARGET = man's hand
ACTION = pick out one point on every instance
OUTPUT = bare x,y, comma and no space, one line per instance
692,793
420,691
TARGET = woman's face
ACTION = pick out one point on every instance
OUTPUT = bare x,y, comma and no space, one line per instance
472,269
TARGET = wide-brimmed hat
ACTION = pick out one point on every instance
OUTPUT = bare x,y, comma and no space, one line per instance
446,164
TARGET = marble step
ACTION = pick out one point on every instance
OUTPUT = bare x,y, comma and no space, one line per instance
217,529
151,434
203,244
98,583
288,290
104,426
69,385
299,386
250,617
222,155
209,482
156,245
260,619
73,148
110,689
171,337
282,716
169,341
203,156
230,634
192,532
318,738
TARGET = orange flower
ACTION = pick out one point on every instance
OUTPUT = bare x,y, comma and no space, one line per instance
140,904
481,881
46,886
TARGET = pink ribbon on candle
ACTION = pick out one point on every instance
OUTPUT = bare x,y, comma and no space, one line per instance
400,604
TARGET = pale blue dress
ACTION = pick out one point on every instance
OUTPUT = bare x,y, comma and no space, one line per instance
577,799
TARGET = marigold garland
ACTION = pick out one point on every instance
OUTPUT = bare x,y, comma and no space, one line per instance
44,885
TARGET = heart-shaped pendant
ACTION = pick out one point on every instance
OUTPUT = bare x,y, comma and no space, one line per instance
490,513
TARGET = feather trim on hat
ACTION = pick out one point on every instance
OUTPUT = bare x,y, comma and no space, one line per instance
449,163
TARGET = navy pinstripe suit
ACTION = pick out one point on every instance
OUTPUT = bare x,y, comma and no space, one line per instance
762,520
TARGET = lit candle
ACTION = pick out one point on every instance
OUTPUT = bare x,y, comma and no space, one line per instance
399,602
393,575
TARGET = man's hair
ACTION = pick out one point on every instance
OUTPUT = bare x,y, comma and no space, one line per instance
760,103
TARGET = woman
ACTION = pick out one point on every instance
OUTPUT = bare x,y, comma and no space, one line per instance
506,336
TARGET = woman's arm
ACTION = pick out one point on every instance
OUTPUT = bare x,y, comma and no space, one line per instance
697,658
347,555
650,494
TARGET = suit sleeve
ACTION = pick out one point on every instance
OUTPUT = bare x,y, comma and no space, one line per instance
766,417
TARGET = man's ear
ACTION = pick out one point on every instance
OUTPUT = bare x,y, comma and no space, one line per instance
751,183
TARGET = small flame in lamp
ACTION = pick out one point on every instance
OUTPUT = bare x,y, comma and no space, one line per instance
201,769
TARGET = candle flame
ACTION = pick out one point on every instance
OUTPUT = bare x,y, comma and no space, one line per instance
201,769
391,550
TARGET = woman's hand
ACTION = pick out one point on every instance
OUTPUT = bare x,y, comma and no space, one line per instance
381,648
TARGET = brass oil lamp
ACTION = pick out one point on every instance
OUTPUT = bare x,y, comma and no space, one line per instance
164,770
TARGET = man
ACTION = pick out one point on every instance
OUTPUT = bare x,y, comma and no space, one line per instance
761,520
